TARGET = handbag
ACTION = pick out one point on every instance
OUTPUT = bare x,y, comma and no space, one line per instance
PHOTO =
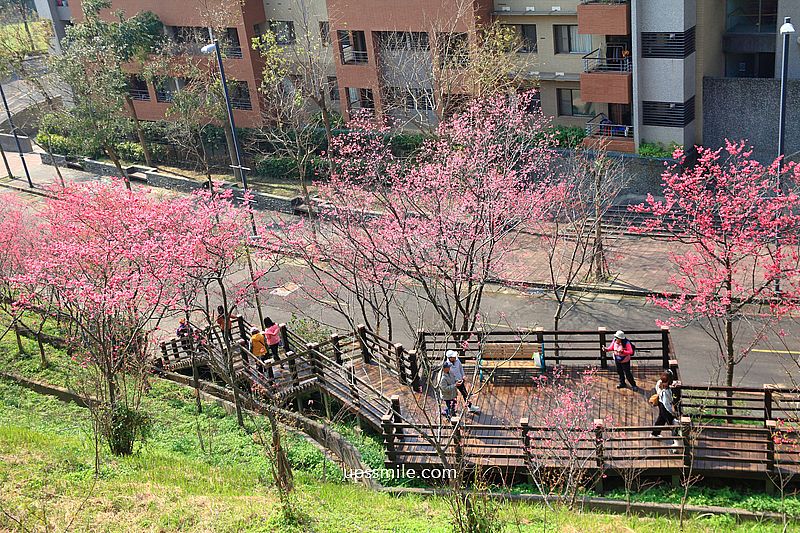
653,400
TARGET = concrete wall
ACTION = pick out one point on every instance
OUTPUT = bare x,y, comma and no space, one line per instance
10,145
747,108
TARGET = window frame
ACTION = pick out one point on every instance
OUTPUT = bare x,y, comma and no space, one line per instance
559,107
558,40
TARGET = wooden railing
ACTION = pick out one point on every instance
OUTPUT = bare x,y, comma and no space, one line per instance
392,357
739,405
711,451
563,347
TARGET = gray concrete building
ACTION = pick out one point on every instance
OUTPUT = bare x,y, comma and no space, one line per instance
59,14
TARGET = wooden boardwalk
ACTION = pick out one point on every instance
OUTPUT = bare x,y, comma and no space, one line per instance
735,433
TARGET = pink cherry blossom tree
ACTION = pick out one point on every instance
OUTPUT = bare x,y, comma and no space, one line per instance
735,233
15,241
108,267
435,227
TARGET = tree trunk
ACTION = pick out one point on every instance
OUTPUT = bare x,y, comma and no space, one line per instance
148,157
20,348
49,149
284,479
301,169
115,158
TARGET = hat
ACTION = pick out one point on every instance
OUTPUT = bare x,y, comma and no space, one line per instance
450,353
253,330
182,321
619,334
447,364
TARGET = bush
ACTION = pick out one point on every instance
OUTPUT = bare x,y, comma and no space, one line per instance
407,143
124,427
130,151
568,136
656,150
57,144
275,167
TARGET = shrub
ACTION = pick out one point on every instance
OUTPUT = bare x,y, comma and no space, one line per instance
275,167
656,150
407,143
130,151
57,144
568,136
124,427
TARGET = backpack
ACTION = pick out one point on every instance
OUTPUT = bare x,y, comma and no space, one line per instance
633,346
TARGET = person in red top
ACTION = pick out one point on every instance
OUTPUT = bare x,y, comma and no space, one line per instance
623,351
272,332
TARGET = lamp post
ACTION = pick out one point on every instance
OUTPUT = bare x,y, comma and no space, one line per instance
787,30
237,166
16,138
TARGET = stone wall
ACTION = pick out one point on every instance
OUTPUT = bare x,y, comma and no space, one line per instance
747,108
261,201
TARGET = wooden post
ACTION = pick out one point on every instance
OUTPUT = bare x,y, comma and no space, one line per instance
526,439
401,366
599,450
665,347
243,333
285,339
337,348
292,360
686,433
388,438
767,403
354,395
396,417
413,367
540,340
602,332
361,333
457,444
772,427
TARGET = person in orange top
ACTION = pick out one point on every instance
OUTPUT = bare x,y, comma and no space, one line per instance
623,351
258,344
272,332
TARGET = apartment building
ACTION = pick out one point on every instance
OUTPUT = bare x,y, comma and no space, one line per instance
628,71
187,26
59,14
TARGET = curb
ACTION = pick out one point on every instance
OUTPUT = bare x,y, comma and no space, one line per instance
669,510
50,390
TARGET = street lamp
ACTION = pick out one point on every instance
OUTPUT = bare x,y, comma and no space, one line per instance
237,166
787,30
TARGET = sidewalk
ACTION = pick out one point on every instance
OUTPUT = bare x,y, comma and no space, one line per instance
639,265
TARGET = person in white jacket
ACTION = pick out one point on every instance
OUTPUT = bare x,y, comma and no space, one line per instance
457,369
666,409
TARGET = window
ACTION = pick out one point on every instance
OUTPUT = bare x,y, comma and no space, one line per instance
668,45
231,45
165,88
453,49
240,95
62,3
668,114
359,99
137,88
527,36
403,40
325,32
752,16
412,98
283,30
750,65
352,46
189,39
333,88
569,41
571,105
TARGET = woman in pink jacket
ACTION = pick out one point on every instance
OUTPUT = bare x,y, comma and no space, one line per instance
623,351
272,333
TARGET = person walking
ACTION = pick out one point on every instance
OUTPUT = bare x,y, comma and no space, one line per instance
447,388
272,332
184,330
664,401
258,345
457,369
623,351
225,322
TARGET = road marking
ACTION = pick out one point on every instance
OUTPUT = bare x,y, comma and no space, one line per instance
790,352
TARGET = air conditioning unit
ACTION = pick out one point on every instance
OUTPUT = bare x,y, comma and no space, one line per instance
529,9
555,8
559,73
505,8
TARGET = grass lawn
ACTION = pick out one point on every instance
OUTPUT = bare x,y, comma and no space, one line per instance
173,484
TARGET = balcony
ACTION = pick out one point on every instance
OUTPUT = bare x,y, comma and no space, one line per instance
354,57
141,95
607,79
604,17
602,133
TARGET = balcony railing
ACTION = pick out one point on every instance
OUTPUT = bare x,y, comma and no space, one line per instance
142,95
232,52
605,1
596,61
602,126
164,96
241,103
352,57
